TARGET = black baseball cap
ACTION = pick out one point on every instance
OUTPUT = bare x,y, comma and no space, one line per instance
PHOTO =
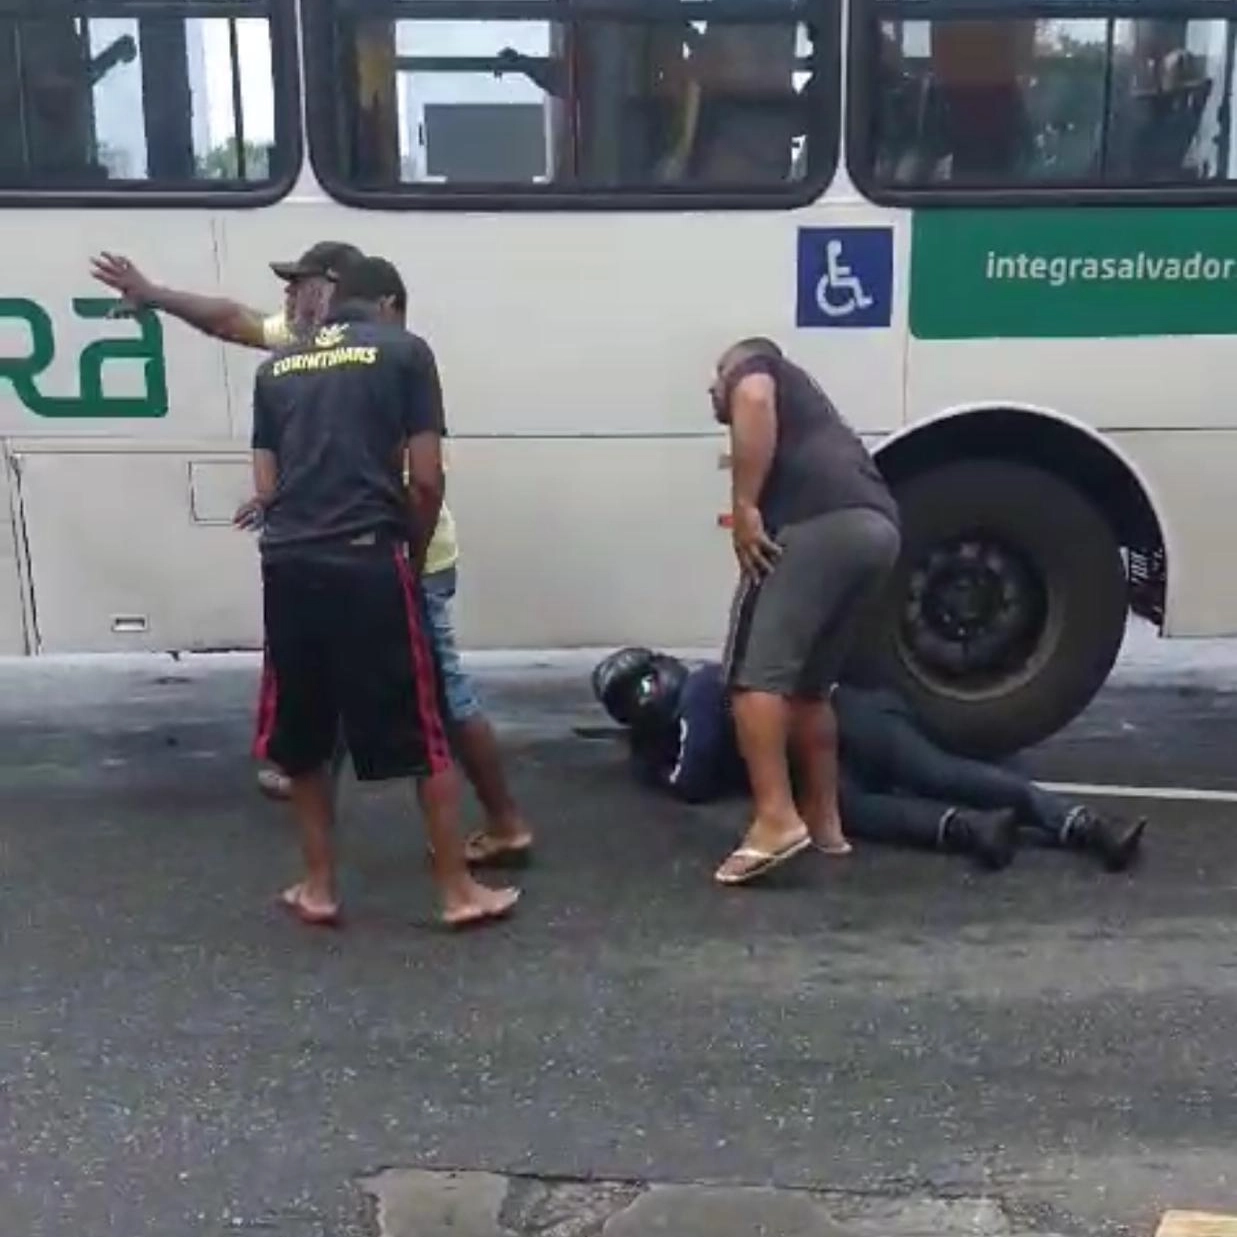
326,258
370,279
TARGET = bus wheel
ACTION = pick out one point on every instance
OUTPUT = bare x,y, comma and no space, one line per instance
1007,607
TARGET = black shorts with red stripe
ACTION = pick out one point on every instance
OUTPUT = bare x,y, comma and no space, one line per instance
347,648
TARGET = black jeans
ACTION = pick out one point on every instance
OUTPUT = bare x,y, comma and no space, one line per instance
889,819
899,783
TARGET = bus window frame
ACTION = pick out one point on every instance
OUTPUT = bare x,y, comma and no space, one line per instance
318,21
288,152
865,16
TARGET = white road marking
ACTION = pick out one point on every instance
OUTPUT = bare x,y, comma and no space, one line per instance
1180,794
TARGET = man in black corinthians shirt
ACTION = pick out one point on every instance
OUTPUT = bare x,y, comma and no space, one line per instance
339,420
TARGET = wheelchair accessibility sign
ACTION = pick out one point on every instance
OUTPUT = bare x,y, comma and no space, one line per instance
845,277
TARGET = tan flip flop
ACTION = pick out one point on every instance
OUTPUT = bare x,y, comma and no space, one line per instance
837,852
274,784
477,919
291,900
759,861
483,850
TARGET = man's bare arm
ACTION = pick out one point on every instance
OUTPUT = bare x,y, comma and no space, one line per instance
265,475
222,319
426,487
215,316
753,442
753,438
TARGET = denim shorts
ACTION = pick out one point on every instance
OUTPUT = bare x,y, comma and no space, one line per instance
439,590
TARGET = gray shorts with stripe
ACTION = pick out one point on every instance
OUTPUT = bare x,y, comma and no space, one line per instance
791,632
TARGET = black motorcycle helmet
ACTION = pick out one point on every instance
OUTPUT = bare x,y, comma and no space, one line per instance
657,694
615,680
639,688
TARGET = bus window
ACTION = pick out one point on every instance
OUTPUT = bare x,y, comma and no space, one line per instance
1171,101
1009,101
582,98
94,101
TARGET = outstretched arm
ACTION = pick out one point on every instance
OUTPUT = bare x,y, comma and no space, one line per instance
216,316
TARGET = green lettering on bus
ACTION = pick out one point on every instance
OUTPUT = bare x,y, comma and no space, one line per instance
1073,273
24,373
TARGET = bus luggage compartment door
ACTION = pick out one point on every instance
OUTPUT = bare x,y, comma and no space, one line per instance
134,551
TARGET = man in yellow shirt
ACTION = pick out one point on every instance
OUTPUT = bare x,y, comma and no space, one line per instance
308,283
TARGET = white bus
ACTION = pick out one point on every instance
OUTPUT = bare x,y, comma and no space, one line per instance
1000,232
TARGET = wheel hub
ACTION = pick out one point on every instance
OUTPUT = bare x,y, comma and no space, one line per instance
974,612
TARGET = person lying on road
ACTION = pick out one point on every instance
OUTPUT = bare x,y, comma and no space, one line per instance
897,786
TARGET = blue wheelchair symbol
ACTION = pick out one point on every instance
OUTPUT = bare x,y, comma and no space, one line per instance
845,277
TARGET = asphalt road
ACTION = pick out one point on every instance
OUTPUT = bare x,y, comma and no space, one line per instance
178,1059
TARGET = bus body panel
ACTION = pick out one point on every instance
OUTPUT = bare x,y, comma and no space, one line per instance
601,543
133,549
1109,384
585,324
585,466
1191,478
565,542
50,263
586,471
13,629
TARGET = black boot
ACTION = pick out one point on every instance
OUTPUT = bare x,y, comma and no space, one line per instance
990,838
1114,842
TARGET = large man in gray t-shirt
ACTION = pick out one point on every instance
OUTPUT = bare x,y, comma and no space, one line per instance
816,533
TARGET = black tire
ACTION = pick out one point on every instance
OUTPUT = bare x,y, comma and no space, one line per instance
1049,572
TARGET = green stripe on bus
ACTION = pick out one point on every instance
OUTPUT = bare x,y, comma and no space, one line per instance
1033,273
